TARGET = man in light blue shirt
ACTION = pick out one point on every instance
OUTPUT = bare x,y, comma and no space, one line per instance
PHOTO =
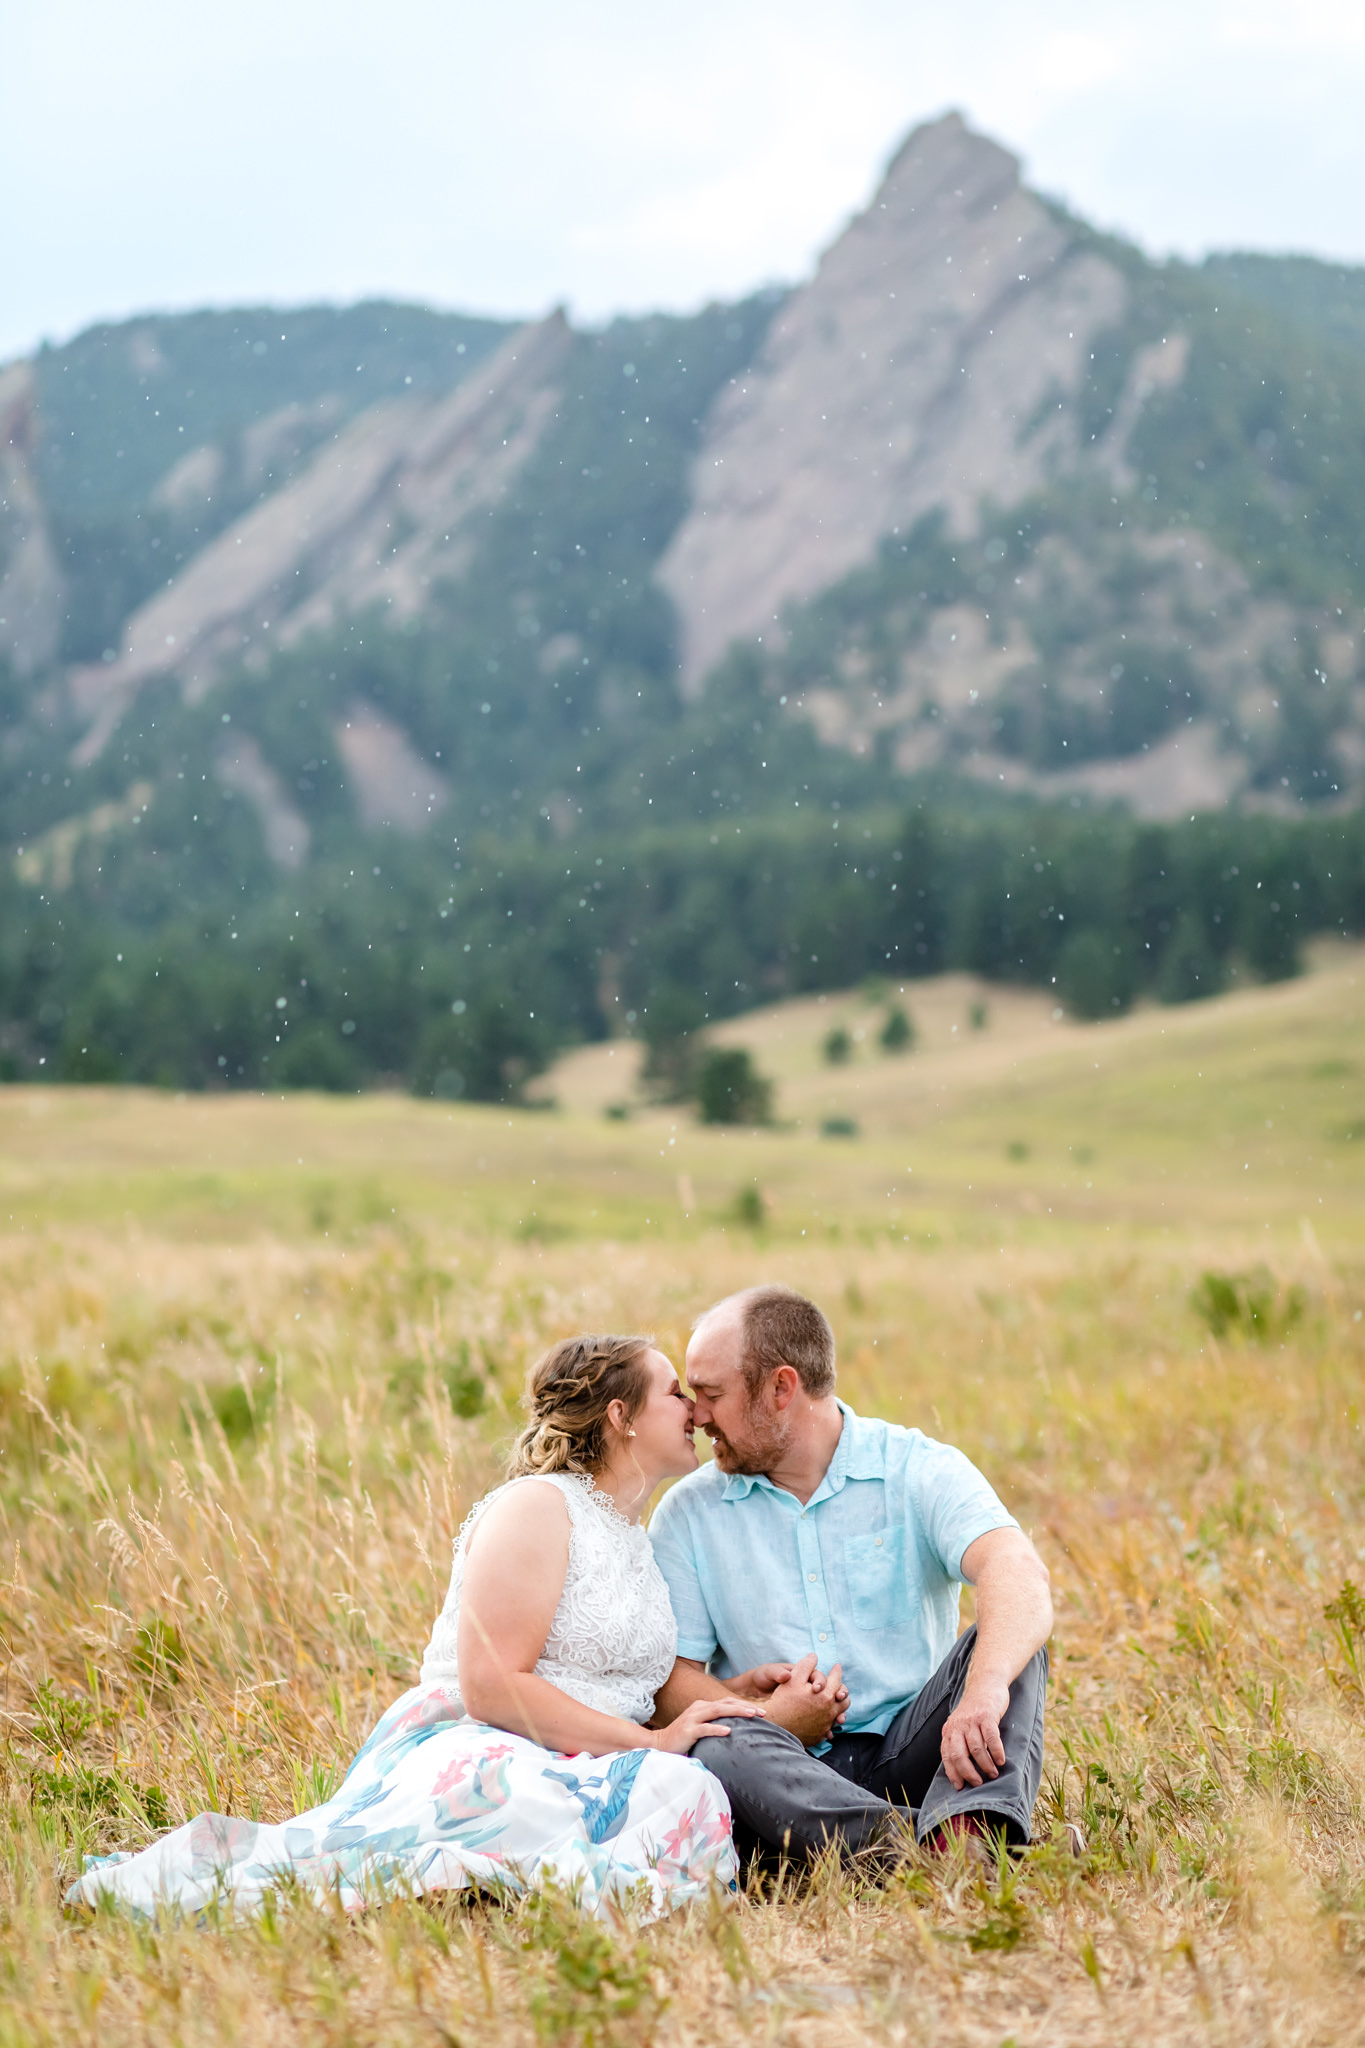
821,1547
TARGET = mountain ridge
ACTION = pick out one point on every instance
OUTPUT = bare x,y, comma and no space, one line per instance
432,775
965,353
329,530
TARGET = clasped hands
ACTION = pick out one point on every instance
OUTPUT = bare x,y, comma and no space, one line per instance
812,1705
799,1697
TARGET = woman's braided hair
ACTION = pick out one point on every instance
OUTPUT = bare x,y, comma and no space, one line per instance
568,1393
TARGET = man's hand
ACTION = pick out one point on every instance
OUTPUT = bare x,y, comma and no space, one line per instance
759,1682
798,1697
762,1681
1013,1621
972,1750
809,1702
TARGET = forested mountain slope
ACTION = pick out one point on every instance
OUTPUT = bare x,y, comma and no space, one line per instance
392,627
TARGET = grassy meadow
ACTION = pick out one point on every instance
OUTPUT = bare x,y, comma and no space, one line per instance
258,1355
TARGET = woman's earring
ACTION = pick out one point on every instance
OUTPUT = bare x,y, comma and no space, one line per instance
630,1432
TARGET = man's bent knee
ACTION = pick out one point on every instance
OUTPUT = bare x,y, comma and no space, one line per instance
749,1743
1035,1670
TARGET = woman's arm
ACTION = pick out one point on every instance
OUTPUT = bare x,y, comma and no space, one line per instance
515,1562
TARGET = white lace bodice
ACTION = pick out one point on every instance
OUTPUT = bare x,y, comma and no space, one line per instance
613,1638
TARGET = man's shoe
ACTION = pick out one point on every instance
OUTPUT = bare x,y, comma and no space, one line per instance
970,1832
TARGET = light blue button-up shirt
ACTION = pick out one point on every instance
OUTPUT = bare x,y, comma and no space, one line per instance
866,1574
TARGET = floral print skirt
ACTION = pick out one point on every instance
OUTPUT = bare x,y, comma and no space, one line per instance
435,1801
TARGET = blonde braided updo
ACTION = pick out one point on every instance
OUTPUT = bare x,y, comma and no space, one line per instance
568,1393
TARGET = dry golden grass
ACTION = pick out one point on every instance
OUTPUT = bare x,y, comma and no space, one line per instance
233,1459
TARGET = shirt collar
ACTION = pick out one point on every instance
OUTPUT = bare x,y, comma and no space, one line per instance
859,1454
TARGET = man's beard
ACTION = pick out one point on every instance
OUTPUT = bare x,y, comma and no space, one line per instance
758,1455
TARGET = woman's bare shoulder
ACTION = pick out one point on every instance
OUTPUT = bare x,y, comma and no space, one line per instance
531,1506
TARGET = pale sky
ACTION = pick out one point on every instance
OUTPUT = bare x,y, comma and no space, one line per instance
616,155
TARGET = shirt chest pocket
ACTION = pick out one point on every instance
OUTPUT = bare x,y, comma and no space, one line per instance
877,1593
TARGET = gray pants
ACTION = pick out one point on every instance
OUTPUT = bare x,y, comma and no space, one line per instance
785,1799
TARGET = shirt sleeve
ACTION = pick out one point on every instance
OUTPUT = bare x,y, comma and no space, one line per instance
670,1532
955,1504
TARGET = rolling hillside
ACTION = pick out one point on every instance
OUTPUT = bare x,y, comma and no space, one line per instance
1238,1117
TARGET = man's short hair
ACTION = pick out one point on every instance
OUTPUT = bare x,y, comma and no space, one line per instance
780,1327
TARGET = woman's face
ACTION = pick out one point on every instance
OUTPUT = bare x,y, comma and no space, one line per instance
663,1423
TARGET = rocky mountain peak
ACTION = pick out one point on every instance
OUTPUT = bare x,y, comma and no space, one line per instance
927,364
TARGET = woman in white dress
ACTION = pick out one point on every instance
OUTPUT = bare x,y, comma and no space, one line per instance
524,1753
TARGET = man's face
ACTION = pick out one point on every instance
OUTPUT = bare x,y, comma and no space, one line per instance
748,1432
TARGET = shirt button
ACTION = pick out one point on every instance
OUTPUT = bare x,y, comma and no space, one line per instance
813,1577
879,1543
822,1635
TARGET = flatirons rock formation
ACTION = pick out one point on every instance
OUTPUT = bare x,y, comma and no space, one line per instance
1126,496
927,364
380,513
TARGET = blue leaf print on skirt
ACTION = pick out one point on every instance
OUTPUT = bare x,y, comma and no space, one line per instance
604,1810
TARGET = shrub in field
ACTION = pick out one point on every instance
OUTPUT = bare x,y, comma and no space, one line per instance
235,1412
730,1089
79,1791
64,1791
1347,1616
60,1720
1250,1305
465,1386
837,1047
898,1033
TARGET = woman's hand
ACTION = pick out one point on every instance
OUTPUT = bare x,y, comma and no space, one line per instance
704,1717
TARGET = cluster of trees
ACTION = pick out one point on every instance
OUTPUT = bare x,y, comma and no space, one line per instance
896,1034
462,978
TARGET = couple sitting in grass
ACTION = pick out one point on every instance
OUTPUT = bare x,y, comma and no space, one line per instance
773,1670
